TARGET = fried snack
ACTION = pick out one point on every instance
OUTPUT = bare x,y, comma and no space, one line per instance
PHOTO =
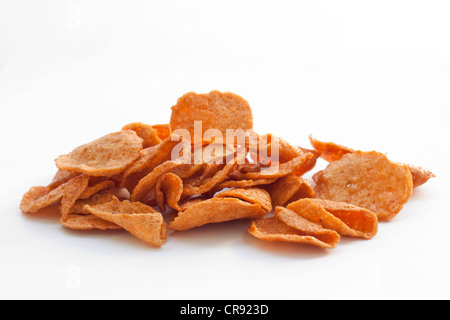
251,195
62,177
106,156
216,110
91,190
368,180
148,160
87,222
73,189
274,172
94,200
162,131
213,211
243,183
149,182
344,218
288,189
140,220
169,189
148,134
273,229
333,152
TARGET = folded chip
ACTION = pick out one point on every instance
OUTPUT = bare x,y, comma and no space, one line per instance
344,218
106,156
251,195
169,189
288,189
368,180
148,134
213,211
305,232
138,219
87,222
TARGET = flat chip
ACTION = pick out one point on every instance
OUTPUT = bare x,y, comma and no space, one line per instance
215,210
149,182
273,229
87,222
169,189
368,180
106,156
288,189
72,191
140,220
344,218
330,151
251,195
216,110
148,134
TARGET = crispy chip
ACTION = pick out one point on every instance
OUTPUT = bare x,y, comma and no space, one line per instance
251,195
243,183
288,189
72,192
62,177
169,189
105,156
162,131
344,218
216,110
91,190
333,152
368,180
148,134
87,222
213,211
273,229
149,182
94,200
140,220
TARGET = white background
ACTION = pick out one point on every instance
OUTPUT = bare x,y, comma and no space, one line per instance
371,75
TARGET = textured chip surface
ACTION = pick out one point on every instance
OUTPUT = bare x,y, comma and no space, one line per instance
251,195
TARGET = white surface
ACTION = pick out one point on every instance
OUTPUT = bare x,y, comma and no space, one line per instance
370,76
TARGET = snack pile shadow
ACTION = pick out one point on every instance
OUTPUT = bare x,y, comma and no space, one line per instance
190,173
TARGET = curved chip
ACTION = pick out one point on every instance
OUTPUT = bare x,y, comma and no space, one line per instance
91,190
368,180
251,195
87,222
344,218
273,229
148,134
169,189
162,131
140,220
106,156
216,110
73,189
213,211
288,189
420,175
94,200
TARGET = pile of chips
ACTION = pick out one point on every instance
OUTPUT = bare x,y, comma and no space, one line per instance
129,180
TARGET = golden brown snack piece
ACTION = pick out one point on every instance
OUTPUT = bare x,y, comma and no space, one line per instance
87,222
162,131
169,189
91,190
94,200
368,180
251,195
288,189
213,211
243,183
106,156
344,218
61,177
140,220
216,110
273,229
72,192
148,134
333,152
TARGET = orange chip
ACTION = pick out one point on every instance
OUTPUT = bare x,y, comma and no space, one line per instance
91,190
62,177
149,182
162,131
216,110
148,134
273,229
251,195
169,188
94,200
87,222
148,160
105,156
344,218
288,189
72,192
368,180
140,220
333,152
213,211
